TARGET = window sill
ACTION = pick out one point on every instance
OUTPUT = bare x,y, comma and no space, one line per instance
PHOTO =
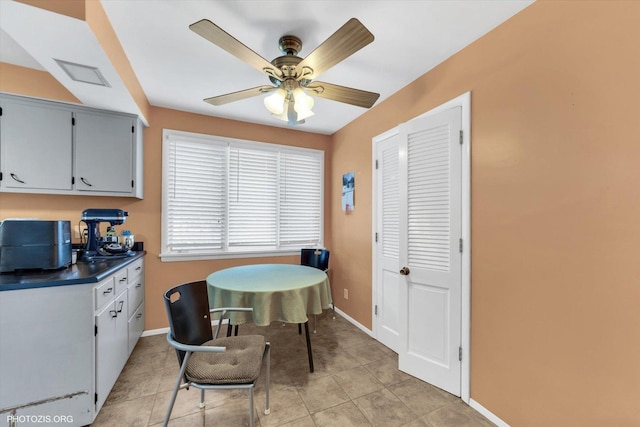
228,255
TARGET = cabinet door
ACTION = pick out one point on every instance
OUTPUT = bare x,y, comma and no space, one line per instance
122,331
104,153
112,345
107,369
35,146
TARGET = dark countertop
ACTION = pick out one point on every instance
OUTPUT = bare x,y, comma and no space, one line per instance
79,273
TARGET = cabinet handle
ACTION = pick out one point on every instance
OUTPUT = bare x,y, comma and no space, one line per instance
138,268
121,305
114,313
138,285
85,182
139,315
108,291
15,177
124,279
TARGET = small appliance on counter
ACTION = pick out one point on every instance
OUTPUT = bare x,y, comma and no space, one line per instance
34,244
104,247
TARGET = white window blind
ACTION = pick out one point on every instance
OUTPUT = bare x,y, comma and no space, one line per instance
253,197
195,196
300,200
226,197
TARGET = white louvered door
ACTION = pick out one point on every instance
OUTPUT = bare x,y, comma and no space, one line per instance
387,310
430,229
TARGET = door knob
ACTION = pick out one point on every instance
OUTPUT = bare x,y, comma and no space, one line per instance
405,271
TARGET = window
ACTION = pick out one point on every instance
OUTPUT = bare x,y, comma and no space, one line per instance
224,197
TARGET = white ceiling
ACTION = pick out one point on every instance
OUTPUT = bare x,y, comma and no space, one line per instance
177,68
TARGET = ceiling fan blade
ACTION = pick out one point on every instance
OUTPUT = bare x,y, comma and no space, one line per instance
237,96
348,95
224,40
349,39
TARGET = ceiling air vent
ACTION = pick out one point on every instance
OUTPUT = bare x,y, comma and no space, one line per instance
83,73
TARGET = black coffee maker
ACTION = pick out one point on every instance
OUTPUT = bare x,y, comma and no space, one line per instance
107,246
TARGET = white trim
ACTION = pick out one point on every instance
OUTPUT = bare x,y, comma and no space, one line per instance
355,323
152,332
463,101
228,255
488,414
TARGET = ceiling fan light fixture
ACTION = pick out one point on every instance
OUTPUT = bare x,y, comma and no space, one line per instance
303,103
290,115
275,102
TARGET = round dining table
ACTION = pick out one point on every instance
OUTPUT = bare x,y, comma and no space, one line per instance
277,292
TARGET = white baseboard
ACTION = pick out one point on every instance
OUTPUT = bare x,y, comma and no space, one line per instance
490,416
348,318
165,330
354,322
155,332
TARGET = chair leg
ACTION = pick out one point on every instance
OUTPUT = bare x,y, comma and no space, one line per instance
251,407
306,331
333,308
315,322
202,405
267,409
176,388
299,329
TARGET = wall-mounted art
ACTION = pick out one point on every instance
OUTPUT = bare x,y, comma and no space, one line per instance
348,191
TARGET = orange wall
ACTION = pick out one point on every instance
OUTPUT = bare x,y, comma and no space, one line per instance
73,8
555,210
35,83
145,215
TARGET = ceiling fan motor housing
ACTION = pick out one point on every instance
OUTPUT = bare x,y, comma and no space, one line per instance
290,45
287,64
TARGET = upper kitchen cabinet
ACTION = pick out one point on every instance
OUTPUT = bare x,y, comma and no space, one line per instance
35,148
55,148
104,148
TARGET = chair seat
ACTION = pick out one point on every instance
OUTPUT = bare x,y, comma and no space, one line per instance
239,364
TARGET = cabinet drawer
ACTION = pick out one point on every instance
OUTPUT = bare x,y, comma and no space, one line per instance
104,292
121,280
135,294
136,327
136,269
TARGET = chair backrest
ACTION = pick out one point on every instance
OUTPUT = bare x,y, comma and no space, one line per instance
318,258
188,312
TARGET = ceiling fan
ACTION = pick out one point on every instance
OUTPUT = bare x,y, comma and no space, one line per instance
292,76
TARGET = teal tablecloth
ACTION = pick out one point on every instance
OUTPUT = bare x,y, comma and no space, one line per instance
276,292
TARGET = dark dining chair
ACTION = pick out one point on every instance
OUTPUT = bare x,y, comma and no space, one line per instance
317,258
207,361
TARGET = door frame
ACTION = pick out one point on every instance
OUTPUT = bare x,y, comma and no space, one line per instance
463,101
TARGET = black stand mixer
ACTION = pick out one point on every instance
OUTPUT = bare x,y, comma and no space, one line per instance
103,247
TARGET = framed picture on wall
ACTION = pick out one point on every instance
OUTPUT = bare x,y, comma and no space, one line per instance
348,190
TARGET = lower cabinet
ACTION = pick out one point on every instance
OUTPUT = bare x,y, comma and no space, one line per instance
119,322
62,348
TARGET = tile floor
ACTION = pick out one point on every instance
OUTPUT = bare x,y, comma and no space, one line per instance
356,383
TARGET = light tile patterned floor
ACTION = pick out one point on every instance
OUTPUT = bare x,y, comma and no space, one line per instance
356,383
